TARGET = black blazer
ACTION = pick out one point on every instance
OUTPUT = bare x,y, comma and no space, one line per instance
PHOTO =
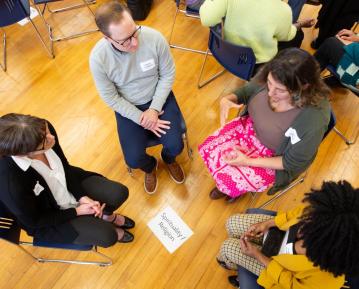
40,216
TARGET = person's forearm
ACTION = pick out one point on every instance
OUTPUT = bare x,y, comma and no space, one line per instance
275,163
270,223
263,259
232,97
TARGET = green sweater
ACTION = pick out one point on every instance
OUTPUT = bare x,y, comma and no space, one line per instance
257,24
310,126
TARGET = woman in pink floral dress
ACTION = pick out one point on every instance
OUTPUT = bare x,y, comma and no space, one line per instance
287,114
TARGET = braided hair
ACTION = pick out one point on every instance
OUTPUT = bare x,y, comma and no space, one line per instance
330,228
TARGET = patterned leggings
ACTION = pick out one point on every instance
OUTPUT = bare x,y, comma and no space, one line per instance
230,251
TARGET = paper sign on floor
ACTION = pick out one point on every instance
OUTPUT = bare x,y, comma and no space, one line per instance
170,229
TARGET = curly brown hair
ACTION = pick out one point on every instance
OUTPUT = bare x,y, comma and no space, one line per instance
299,72
330,228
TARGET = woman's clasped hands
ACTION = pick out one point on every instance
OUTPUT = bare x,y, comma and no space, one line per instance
87,206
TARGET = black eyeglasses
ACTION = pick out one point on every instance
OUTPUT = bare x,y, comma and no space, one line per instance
127,41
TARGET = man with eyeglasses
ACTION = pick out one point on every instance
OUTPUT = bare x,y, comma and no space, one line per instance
134,71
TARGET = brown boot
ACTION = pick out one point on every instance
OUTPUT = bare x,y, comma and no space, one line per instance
150,183
216,194
176,172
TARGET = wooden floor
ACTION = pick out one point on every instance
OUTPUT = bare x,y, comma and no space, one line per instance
62,91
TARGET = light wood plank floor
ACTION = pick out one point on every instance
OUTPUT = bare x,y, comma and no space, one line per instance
62,91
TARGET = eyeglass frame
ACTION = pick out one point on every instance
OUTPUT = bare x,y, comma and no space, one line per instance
122,42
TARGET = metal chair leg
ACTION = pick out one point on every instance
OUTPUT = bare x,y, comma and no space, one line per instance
107,261
50,50
189,149
202,84
75,35
253,197
3,65
171,34
130,171
87,2
282,192
344,138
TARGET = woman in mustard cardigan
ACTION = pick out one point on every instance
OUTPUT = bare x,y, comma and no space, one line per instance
317,244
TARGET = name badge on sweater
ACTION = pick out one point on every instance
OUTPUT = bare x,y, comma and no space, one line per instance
292,133
147,65
38,189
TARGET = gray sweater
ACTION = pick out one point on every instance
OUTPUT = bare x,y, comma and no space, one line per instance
125,80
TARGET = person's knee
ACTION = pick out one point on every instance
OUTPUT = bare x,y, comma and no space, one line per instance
330,42
108,237
119,193
229,247
134,159
233,223
175,145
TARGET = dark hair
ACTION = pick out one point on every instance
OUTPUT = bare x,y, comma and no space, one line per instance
20,134
299,72
330,228
111,12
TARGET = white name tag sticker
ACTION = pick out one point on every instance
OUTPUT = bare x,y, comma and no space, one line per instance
292,133
147,65
38,189
170,229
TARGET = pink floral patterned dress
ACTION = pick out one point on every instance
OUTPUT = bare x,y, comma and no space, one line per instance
236,180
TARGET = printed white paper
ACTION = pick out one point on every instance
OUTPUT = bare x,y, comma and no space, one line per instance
170,229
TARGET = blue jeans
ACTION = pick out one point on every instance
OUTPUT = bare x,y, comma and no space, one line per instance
247,280
134,138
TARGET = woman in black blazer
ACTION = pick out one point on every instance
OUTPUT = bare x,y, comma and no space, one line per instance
50,199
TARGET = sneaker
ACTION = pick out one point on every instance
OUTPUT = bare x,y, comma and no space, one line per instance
176,172
150,182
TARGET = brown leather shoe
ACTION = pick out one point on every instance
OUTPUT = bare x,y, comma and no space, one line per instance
176,172
216,194
150,183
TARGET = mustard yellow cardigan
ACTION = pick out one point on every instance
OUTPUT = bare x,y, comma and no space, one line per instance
287,271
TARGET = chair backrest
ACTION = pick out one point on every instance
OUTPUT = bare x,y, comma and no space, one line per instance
333,71
12,11
239,60
9,229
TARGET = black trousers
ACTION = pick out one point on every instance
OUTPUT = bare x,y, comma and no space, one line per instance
295,42
95,231
330,52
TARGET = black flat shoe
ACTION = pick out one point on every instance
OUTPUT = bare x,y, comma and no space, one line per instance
127,237
314,44
233,280
222,264
129,223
